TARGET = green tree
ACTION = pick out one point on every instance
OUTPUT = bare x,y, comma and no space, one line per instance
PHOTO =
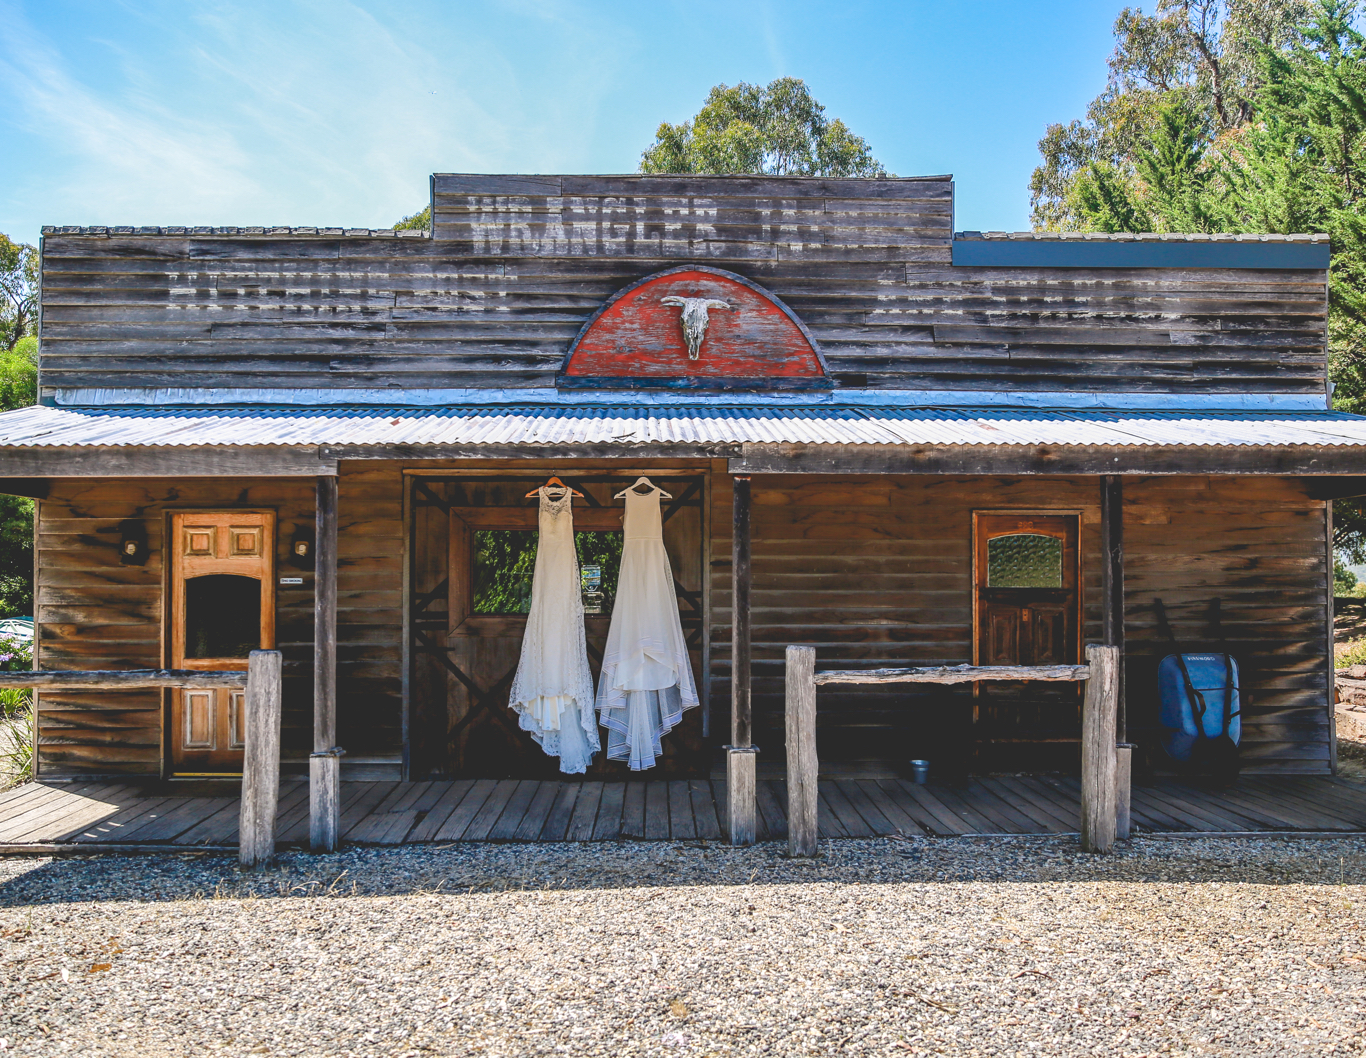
18,291
18,389
778,130
1197,58
419,221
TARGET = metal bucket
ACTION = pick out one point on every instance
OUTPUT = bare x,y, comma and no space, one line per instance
920,771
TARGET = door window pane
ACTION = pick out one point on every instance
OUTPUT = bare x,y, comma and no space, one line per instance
1024,560
505,562
222,616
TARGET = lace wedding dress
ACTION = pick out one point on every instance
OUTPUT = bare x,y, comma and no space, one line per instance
552,691
646,681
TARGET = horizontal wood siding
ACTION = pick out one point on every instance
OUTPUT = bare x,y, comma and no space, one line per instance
93,613
1256,544
878,572
514,271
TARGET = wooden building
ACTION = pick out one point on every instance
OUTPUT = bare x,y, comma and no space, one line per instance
956,447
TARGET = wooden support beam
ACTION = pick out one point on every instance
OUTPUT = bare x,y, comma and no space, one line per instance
1098,749
179,461
261,760
1112,581
324,771
956,674
741,808
120,679
802,762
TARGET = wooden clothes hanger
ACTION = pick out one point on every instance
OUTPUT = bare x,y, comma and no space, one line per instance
642,480
556,483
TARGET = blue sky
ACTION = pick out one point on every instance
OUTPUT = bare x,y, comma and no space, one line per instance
335,111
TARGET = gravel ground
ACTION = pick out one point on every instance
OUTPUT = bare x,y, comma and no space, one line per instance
1010,947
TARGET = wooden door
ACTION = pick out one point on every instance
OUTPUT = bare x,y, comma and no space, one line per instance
222,608
1026,575
473,550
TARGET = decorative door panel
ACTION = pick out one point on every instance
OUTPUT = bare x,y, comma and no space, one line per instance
222,607
1027,610
474,544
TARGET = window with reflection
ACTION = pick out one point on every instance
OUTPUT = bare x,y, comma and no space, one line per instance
222,616
505,562
1024,560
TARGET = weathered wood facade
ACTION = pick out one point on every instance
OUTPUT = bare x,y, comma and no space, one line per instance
862,545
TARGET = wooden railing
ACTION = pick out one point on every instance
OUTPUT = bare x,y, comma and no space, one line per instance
261,764
1104,783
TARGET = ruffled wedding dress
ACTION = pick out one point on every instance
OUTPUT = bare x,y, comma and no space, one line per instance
646,681
552,691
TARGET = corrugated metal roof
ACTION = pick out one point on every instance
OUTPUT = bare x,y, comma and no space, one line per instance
43,427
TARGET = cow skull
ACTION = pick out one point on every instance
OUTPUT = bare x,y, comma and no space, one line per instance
693,317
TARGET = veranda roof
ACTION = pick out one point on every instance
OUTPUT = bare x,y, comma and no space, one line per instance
689,426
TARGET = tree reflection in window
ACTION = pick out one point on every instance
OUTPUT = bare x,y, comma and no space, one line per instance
222,616
1024,560
505,562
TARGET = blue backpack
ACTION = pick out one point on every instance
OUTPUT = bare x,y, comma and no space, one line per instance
1200,712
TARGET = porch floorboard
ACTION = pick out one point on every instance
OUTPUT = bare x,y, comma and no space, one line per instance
388,813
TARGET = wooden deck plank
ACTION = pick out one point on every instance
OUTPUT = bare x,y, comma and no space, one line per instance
967,812
633,811
871,814
947,821
176,818
1038,806
505,826
1036,821
901,822
446,803
1002,813
828,823
1340,802
1152,813
923,807
380,818
771,808
657,811
1278,809
608,825
216,828
585,815
42,803
1245,811
352,815
561,813
1066,809
538,811
458,821
410,810
1200,809
492,810
43,812
26,790
854,824
704,810
112,828
75,816
720,791
681,824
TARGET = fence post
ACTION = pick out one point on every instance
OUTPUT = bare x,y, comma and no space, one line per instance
1124,764
261,763
802,764
1098,749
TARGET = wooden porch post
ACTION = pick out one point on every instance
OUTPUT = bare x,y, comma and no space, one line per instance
1098,749
802,764
1112,629
324,766
740,797
261,763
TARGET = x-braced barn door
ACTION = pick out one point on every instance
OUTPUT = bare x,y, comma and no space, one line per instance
222,608
473,548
